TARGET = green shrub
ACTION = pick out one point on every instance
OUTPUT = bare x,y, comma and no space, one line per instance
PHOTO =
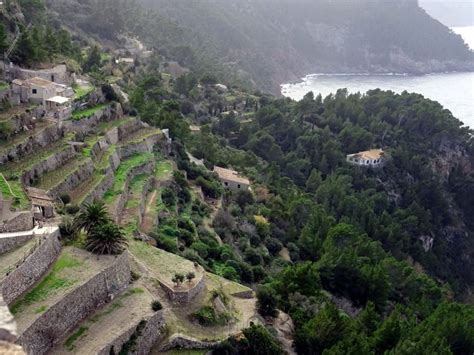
206,316
156,306
65,198
72,209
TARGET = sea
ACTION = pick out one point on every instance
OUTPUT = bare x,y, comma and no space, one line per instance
455,91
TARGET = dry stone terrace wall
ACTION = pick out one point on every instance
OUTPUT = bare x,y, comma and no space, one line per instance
31,270
7,244
25,119
32,144
62,317
128,128
147,145
152,332
184,296
87,125
147,167
51,163
99,191
21,221
81,174
180,341
99,148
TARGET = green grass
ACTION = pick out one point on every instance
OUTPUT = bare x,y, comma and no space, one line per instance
53,178
79,115
4,85
41,309
163,168
122,172
104,161
81,91
116,304
16,193
23,136
4,187
112,124
50,284
140,136
136,188
75,336
19,167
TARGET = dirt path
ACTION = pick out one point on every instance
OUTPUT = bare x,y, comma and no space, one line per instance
8,185
148,219
208,221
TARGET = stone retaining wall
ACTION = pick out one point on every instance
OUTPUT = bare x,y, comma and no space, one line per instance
99,148
128,128
114,160
153,331
40,140
180,341
244,294
183,296
51,163
87,125
112,136
31,270
117,209
146,145
25,119
21,221
99,191
62,317
81,174
7,244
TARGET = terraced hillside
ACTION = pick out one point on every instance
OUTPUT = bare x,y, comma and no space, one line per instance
80,303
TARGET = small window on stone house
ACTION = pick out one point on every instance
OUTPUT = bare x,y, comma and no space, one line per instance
238,186
34,91
226,183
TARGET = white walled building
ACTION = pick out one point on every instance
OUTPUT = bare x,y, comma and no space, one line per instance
374,158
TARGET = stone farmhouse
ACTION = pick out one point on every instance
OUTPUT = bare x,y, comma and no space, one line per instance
231,179
372,158
54,97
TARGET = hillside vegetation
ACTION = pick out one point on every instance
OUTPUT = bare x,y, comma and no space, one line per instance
265,43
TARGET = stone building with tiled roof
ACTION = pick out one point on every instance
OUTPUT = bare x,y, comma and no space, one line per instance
231,179
373,158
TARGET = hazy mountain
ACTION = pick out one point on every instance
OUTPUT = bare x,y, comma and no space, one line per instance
282,40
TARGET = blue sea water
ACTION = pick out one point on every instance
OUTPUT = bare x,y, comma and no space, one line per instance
455,91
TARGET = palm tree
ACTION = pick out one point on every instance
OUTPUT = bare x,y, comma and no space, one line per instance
107,239
67,229
91,216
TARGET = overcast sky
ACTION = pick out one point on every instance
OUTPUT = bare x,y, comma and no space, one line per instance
451,12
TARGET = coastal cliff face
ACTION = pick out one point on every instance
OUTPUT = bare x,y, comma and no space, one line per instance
283,40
